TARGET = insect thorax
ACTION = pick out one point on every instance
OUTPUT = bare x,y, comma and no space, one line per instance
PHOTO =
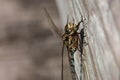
70,37
70,29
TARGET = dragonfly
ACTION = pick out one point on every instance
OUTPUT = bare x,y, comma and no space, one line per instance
73,40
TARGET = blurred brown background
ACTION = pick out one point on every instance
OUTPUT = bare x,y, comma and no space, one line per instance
28,49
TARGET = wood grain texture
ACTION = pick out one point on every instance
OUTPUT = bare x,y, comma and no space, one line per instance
28,50
103,36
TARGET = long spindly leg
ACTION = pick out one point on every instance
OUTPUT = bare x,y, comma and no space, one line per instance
82,21
53,24
81,43
82,36
62,61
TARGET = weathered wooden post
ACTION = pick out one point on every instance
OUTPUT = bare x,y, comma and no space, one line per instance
101,55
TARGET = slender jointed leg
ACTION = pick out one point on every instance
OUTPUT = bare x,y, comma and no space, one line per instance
62,61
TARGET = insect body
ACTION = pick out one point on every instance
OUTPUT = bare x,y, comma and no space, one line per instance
70,37
72,41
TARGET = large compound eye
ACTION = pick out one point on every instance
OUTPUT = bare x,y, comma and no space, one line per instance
68,31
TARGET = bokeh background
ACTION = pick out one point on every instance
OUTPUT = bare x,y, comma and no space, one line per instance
31,50
28,49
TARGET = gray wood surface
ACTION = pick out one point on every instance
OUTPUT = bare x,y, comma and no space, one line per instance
102,53
29,51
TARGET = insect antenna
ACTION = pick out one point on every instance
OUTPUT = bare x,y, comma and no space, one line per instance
60,35
53,24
